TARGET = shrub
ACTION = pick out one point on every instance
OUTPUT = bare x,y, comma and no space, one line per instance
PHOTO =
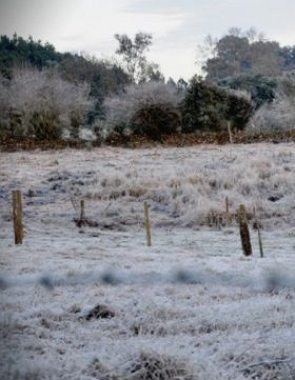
202,106
280,114
207,107
45,124
239,109
150,109
261,88
41,105
274,117
151,366
155,120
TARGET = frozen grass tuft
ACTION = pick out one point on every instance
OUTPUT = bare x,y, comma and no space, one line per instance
154,366
275,369
144,366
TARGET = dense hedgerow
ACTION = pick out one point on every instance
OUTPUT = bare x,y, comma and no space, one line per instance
155,108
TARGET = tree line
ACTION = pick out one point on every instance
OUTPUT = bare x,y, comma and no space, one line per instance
243,73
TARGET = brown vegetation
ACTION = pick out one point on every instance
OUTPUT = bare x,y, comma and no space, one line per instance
176,139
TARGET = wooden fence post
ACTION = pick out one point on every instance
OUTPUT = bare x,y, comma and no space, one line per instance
230,132
244,231
260,242
82,210
227,213
17,216
147,224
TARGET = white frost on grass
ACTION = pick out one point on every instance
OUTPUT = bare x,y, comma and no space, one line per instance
216,329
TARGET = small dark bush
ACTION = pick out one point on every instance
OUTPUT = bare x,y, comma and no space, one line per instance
202,107
150,109
13,124
155,120
45,125
238,110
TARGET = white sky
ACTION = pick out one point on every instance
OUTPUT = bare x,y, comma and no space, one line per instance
178,27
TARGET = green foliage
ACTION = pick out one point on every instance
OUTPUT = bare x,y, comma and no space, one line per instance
202,106
156,120
238,110
262,89
18,51
208,107
45,125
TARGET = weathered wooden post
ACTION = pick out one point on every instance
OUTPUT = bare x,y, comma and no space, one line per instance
244,231
260,241
147,224
230,132
82,210
227,213
17,216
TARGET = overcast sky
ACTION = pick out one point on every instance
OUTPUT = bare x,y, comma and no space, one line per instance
178,26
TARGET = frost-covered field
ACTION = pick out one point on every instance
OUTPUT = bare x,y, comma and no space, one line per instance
189,307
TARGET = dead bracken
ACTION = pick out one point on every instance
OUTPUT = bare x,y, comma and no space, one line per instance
100,312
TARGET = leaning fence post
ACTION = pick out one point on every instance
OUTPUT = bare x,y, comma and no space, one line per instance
259,233
244,231
17,216
147,224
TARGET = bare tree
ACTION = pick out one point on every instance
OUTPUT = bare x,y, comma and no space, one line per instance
240,52
133,54
265,58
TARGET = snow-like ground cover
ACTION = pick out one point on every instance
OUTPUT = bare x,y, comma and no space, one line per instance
190,306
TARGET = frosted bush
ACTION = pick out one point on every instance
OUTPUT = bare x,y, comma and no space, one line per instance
278,115
122,110
240,94
41,104
274,117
